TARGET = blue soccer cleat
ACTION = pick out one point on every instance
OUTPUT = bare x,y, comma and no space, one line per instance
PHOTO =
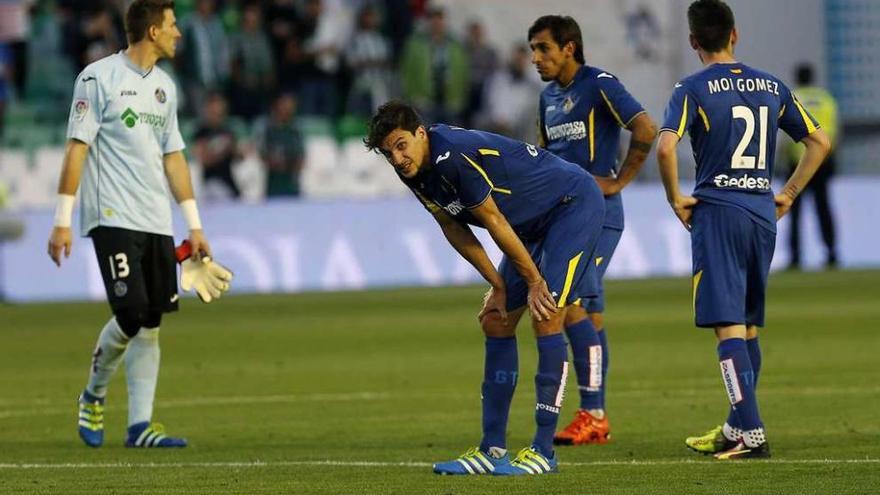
528,461
91,419
474,461
151,435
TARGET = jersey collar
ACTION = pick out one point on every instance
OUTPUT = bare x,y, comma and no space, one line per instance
133,66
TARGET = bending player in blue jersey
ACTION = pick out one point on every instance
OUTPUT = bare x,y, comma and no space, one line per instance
546,216
580,116
732,112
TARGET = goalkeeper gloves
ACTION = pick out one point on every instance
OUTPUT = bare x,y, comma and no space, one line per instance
209,278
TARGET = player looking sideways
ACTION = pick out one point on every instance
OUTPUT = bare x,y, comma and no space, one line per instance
123,140
580,115
732,112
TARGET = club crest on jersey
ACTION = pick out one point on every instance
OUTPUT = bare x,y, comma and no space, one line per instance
568,104
80,109
120,289
160,95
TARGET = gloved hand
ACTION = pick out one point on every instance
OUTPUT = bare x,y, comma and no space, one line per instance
209,278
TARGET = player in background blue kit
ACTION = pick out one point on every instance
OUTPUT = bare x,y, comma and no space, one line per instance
546,216
732,113
580,116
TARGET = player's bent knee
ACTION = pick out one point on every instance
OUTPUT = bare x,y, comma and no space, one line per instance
575,314
598,320
494,326
130,319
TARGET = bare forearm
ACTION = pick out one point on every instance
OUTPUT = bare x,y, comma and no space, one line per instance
71,169
644,131
668,164
817,148
468,246
513,248
177,173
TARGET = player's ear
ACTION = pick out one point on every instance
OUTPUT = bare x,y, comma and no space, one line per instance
734,37
693,41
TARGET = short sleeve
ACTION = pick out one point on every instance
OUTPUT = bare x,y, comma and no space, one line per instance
794,119
172,140
86,109
473,183
620,104
680,111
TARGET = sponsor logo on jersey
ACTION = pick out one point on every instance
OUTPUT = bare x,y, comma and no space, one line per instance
128,92
550,108
160,95
454,208
604,74
120,289
745,182
731,382
570,131
130,118
80,109
442,157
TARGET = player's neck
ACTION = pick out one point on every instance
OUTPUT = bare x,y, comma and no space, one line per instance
566,75
143,55
722,57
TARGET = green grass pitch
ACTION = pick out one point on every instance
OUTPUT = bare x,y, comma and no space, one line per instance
361,392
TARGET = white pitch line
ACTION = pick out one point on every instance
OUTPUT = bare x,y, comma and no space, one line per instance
404,464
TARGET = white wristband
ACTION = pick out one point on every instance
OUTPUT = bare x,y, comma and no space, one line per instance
191,214
64,210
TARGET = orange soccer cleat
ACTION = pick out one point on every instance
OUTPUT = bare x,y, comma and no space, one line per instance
585,429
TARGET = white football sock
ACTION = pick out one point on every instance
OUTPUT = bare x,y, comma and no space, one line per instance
754,438
731,433
108,352
142,372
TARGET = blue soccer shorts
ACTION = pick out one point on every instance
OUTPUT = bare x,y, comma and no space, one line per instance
731,263
564,254
608,240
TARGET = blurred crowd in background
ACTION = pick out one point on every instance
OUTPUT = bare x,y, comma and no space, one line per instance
255,75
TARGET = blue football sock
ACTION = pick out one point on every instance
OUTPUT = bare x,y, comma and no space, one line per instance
754,350
739,380
603,341
586,354
549,389
499,382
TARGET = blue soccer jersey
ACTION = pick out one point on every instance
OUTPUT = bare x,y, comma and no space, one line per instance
732,113
581,123
467,166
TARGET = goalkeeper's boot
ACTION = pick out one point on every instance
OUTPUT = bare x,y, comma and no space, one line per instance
584,429
475,461
91,419
743,451
711,442
528,461
151,435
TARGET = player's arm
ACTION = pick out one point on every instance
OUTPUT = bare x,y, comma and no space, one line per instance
643,132
540,301
668,161
177,173
60,239
818,145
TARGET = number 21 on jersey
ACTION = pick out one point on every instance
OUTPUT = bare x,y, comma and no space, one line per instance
739,158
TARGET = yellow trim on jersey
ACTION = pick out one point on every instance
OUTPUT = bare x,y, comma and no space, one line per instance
592,131
569,276
811,127
487,151
611,107
599,260
736,71
781,111
696,283
704,116
684,113
486,176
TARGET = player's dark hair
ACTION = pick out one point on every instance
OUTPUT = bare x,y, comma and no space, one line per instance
804,74
564,30
711,22
390,116
143,14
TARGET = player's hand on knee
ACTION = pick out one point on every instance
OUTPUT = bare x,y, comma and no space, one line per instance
683,206
60,241
205,276
540,301
495,300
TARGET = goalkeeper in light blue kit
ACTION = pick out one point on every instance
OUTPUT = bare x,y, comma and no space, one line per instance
732,113
124,141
